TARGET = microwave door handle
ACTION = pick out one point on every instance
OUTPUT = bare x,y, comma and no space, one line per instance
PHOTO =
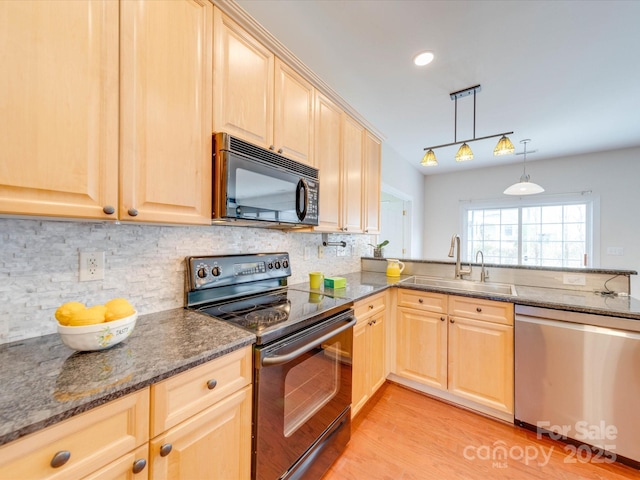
280,359
302,186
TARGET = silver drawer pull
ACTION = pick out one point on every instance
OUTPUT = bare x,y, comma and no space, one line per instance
60,458
452,321
420,300
478,309
211,384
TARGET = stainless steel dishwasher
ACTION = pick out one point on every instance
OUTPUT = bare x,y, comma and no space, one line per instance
577,378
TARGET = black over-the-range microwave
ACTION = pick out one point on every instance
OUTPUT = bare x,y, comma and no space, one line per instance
252,184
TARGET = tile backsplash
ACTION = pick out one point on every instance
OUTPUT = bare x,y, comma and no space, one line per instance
39,263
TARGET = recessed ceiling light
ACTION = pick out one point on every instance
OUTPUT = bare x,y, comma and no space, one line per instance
424,58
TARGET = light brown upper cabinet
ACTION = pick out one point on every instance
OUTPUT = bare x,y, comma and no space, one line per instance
165,119
371,185
328,159
352,151
59,96
109,110
259,98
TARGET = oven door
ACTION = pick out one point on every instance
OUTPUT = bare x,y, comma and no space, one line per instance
303,385
257,191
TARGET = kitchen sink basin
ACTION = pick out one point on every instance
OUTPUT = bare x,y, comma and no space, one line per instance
465,285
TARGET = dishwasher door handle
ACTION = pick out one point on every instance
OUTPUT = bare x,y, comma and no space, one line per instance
280,359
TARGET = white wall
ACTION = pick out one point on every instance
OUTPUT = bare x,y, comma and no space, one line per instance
398,174
612,176
144,263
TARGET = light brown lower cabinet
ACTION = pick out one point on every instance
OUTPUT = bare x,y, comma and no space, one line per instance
97,444
196,424
459,345
368,364
215,443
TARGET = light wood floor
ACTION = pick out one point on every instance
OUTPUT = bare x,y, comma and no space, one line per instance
406,435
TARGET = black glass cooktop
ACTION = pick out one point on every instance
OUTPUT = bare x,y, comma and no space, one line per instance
274,314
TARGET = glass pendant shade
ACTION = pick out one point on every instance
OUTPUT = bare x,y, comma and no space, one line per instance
429,159
524,187
504,147
464,153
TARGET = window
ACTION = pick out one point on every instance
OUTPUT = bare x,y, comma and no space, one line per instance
557,234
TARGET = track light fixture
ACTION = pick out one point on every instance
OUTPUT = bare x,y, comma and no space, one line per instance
504,146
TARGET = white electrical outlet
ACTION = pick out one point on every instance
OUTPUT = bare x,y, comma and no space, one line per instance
574,279
91,266
320,251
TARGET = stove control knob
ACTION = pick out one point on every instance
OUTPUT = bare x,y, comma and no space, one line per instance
285,264
277,264
202,272
216,271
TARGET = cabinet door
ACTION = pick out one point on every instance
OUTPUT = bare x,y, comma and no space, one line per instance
59,99
421,347
481,362
371,166
294,106
360,372
352,142
216,443
243,84
166,88
377,352
328,160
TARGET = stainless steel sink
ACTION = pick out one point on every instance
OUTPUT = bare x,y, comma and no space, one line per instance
465,285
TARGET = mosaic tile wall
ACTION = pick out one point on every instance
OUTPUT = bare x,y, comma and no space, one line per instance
39,263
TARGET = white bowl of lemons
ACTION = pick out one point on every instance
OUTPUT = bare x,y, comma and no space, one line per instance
95,328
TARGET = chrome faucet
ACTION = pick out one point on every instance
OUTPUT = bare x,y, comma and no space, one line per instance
483,273
455,245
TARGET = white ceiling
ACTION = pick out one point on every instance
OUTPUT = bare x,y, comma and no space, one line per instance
565,74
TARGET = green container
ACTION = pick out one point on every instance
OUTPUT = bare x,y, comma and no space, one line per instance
335,282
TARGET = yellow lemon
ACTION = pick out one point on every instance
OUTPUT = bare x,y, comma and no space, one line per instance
118,308
64,312
88,316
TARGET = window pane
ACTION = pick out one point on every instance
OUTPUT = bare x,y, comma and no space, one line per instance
552,235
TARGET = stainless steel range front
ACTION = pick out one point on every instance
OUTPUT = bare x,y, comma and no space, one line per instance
302,359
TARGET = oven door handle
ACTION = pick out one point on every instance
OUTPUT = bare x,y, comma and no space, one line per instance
280,359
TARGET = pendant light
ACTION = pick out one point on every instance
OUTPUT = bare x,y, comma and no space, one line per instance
504,146
524,186
429,159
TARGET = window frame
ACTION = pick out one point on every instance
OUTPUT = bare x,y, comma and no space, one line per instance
592,220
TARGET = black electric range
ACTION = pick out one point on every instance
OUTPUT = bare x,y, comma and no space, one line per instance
251,292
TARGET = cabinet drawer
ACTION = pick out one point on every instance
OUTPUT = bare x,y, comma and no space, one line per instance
479,309
369,306
94,439
125,467
430,301
183,395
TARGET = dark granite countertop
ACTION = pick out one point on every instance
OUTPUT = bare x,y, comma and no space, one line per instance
363,284
44,381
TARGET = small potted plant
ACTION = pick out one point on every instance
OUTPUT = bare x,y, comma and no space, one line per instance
377,249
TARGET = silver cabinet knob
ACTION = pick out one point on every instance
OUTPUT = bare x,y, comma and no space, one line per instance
60,458
420,300
165,449
442,319
478,309
452,321
211,384
272,147
109,210
138,465
280,150
132,212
